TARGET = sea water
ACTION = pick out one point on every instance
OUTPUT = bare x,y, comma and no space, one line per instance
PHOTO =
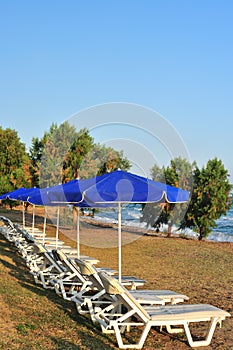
131,214
224,230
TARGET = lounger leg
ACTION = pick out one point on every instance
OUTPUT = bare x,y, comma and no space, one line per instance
209,335
139,345
174,330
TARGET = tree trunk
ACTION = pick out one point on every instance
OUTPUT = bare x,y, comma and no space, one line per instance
200,234
26,205
169,231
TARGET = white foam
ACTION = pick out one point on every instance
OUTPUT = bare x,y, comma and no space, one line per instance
131,217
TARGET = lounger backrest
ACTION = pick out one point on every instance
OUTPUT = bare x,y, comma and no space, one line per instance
29,239
8,222
40,248
91,273
63,260
113,286
67,263
59,255
85,268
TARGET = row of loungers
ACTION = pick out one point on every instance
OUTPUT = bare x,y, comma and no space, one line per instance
97,292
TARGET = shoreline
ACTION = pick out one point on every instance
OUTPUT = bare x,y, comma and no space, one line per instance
143,231
92,224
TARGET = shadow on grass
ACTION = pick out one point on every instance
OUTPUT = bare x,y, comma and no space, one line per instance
89,343
19,270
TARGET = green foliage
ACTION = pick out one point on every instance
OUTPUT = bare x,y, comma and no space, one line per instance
99,160
5,184
112,160
210,197
58,142
76,155
210,191
64,154
91,163
14,172
157,173
11,151
36,152
178,174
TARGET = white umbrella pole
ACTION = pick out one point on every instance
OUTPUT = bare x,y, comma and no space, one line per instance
44,227
57,228
78,234
23,214
33,218
119,242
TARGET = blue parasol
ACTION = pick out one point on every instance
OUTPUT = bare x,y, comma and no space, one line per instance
114,189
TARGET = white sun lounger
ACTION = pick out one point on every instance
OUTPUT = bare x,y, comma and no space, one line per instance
136,315
67,285
97,296
44,267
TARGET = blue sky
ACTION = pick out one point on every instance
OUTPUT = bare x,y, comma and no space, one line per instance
174,57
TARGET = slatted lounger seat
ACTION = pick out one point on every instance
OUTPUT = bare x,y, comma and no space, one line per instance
134,314
96,297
